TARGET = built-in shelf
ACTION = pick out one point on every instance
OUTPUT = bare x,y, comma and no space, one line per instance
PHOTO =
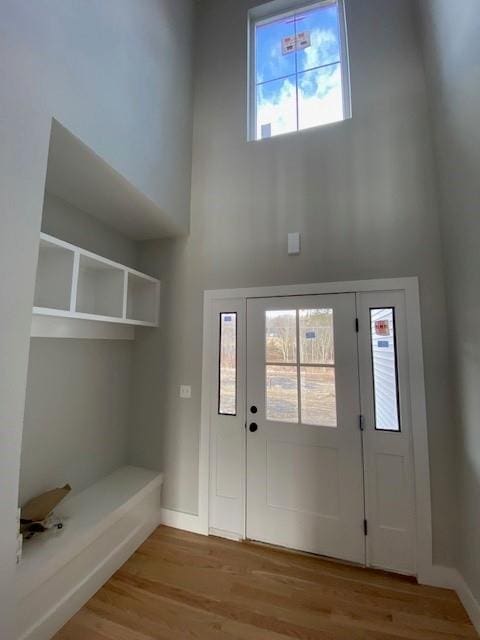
73,283
53,288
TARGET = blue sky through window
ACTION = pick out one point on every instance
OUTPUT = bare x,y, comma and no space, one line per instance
302,88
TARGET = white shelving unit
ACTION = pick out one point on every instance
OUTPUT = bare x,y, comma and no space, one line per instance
54,275
80,285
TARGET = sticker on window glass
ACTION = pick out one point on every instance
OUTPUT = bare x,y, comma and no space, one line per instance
288,44
266,130
303,40
299,42
227,375
382,327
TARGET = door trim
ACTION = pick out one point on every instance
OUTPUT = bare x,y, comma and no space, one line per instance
410,286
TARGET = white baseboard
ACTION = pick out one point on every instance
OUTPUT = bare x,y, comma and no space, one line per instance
471,604
181,520
438,576
448,578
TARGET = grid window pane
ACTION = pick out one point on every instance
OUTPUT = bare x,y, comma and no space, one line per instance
319,404
270,61
320,99
281,336
322,32
281,393
316,336
385,375
227,386
276,107
298,79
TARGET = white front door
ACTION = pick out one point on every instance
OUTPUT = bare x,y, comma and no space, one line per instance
305,479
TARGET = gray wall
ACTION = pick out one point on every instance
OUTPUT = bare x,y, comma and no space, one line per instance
361,192
65,221
452,61
117,74
76,413
78,391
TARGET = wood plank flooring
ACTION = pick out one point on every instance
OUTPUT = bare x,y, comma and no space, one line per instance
180,586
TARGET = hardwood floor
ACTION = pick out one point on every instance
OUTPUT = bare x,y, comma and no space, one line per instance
180,585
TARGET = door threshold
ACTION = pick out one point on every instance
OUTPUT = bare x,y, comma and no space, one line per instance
331,560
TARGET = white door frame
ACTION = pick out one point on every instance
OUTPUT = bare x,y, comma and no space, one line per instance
425,568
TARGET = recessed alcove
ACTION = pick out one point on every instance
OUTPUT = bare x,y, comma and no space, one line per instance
90,299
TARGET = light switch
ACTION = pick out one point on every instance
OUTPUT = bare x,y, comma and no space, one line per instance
293,244
185,391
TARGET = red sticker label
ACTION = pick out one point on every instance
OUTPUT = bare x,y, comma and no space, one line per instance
382,327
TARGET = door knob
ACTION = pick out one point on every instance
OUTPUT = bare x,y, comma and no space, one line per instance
253,409
253,427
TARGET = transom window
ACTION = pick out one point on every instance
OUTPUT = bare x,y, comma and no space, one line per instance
299,69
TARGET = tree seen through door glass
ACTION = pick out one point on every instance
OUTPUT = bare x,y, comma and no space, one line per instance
281,336
300,379
316,336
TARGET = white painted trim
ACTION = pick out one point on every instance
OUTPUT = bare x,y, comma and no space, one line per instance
59,313
350,286
75,276
471,604
57,616
419,431
439,576
416,370
182,520
57,327
450,578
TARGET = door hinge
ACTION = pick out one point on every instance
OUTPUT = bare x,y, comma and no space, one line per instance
357,325
361,422
365,527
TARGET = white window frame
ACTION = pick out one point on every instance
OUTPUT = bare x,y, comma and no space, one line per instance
283,9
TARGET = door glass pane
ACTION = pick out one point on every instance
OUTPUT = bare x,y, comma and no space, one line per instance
281,393
319,406
227,386
281,336
385,375
316,336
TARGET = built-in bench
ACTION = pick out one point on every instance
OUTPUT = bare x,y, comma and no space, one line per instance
103,526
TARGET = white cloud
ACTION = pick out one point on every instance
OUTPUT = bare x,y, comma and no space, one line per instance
323,49
320,102
280,112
